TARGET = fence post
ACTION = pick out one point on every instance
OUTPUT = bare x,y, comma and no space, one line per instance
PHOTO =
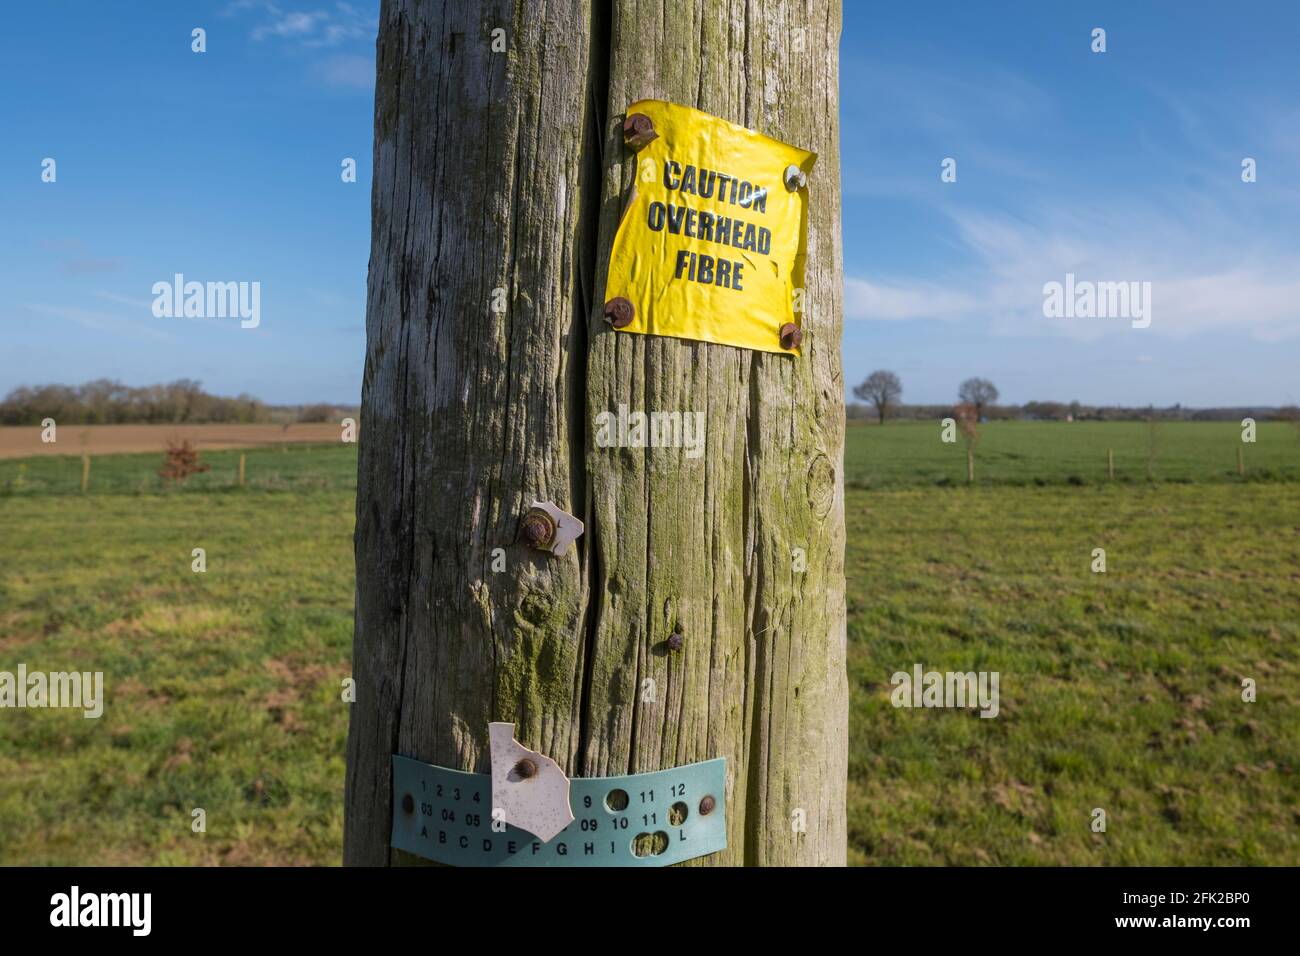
85,473
1241,463
241,469
1110,463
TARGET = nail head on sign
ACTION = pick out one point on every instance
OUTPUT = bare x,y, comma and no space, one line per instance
554,528
795,178
619,312
537,528
638,129
791,336
707,805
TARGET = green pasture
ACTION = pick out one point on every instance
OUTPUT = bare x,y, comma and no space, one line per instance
1119,691
1037,453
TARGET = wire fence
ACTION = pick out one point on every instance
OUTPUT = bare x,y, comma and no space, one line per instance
896,454
288,467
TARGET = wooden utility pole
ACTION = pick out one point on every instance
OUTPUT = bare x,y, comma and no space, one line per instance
499,179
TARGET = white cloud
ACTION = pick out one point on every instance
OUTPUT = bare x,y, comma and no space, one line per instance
1264,303
317,28
892,302
1206,279
288,25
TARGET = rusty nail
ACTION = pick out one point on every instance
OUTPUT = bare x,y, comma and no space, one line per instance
791,336
619,312
795,178
707,805
526,768
675,641
408,803
537,529
638,129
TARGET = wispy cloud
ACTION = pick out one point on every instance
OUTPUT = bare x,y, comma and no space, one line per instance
102,322
354,72
1156,197
81,267
316,28
895,301
124,300
919,116
1203,280
82,262
288,25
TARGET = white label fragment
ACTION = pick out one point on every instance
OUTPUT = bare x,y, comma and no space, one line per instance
567,528
529,787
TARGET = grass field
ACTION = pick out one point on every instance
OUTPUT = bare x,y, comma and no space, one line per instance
223,688
1119,690
1037,453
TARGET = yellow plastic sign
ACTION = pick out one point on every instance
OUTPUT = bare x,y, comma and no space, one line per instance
712,243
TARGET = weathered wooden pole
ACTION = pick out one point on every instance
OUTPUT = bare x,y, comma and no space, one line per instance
85,473
500,174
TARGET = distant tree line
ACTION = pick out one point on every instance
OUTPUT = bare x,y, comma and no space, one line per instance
106,402
881,392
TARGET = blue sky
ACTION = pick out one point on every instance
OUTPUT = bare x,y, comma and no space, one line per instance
1115,166
221,166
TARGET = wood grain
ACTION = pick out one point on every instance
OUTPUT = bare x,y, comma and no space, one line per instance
507,172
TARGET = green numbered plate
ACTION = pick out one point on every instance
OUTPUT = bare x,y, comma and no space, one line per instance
669,816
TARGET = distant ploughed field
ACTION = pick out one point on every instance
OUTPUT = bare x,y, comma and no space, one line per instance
22,442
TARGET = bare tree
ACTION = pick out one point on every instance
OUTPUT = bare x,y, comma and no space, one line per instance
968,420
1153,442
881,388
978,392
